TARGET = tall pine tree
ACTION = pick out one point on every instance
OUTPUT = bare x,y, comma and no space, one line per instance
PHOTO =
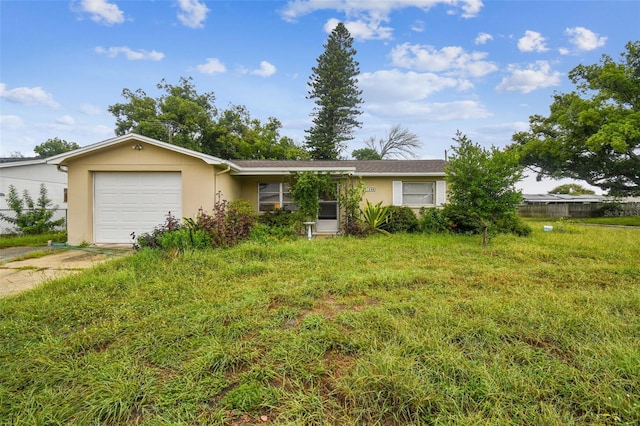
333,86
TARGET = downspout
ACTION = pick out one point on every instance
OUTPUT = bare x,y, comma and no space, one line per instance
215,182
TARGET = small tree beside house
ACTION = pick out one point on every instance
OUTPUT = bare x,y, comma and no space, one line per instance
31,216
482,194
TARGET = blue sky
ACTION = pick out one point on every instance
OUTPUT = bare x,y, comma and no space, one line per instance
431,66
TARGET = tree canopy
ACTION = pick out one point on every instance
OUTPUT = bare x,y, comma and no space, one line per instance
481,187
184,117
571,188
592,133
54,146
366,154
333,87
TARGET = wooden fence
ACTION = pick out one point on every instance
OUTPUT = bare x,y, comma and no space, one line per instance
577,210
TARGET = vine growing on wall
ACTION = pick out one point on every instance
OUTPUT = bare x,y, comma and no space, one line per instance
306,190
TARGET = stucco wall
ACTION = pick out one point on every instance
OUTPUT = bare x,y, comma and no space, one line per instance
378,189
198,181
249,186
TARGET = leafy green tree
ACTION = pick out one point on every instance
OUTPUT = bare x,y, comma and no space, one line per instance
180,116
184,117
333,86
244,137
593,133
53,147
571,188
399,142
31,217
366,154
481,188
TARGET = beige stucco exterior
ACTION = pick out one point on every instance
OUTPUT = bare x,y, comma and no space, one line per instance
202,178
200,181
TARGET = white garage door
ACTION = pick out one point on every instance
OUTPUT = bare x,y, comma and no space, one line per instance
126,202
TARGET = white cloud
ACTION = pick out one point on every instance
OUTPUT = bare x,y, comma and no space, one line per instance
296,8
535,76
418,26
429,112
11,121
66,120
266,69
132,55
483,38
584,39
451,59
365,18
28,96
532,41
363,29
102,11
212,66
395,86
89,109
564,51
193,13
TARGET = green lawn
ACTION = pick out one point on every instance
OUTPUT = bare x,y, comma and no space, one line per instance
386,330
32,240
611,221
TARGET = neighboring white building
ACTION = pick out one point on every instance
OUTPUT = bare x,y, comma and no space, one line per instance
29,173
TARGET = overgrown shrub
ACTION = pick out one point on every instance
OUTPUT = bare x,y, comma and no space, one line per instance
240,218
355,228
461,221
32,217
278,224
152,239
432,221
184,239
279,218
350,197
401,219
513,225
264,233
464,222
228,224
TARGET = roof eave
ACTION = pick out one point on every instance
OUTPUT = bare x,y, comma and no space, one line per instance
208,159
275,171
400,174
33,162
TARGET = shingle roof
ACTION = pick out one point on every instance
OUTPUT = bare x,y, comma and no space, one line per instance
360,167
21,161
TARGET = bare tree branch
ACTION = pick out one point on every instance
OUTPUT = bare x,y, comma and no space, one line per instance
399,142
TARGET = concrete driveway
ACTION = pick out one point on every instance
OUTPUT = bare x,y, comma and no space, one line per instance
17,276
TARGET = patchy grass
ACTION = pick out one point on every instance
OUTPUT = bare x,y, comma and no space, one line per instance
408,329
31,240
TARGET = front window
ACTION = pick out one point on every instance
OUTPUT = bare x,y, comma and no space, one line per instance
275,195
417,193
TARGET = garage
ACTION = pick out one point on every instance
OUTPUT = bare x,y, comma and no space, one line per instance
126,202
